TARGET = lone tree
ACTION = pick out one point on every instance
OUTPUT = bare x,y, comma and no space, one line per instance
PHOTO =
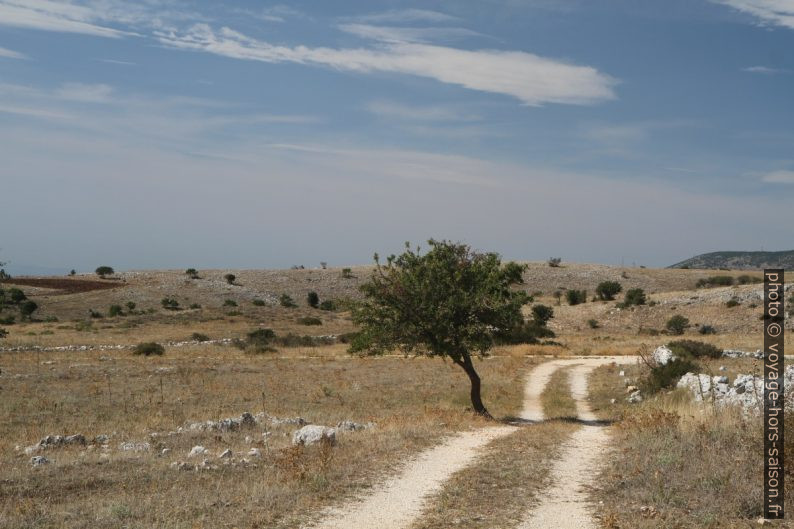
230,278
192,273
450,302
103,271
607,290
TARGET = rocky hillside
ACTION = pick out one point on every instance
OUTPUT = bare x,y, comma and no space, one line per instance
740,260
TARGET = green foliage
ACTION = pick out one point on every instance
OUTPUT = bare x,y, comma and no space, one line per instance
194,306
451,302
72,272
230,278
715,281
607,290
707,329
733,302
95,314
259,302
554,262
229,303
347,273
27,308
199,337
575,297
677,324
634,296
115,310
313,299
746,279
3,333
131,306
259,341
16,296
308,320
329,305
169,303
8,320
192,273
103,271
694,349
593,324
286,301
542,313
149,349
667,375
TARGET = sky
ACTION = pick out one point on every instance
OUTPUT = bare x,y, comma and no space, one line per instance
249,134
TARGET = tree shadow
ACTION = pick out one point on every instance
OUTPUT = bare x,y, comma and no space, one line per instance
520,421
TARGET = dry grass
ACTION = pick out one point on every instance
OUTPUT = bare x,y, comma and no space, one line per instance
414,402
498,490
556,398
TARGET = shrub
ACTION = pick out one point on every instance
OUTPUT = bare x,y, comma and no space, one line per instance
103,271
677,324
259,341
707,329
95,314
745,279
229,303
286,301
8,320
194,306
634,296
296,340
131,306
199,337
329,304
542,313
733,302
593,324
169,303
606,290
148,349
323,265
230,278
554,262
115,310
715,281
27,308
313,299
694,349
347,273
16,295
667,375
72,272
192,273
575,297
259,302
310,321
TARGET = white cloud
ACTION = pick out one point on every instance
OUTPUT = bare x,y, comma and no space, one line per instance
11,54
779,177
54,16
85,93
407,34
406,15
393,110
774,12
532,79
766,70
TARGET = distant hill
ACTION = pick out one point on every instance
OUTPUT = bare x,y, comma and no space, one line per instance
740,260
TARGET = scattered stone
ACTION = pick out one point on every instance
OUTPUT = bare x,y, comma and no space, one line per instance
224,425
350,426
612,401
197,450
313,433
254,452
101,439
249,439
165,452
631,389
298,421
181,465
37,461
662,354
723,368
635,397
131,446
622,373
226,454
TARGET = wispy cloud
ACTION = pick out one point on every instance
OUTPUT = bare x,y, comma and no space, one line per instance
85,93
54,16
406,15
116,61
530,78
766,70
11,54
779,177
772,12
394,110
408,34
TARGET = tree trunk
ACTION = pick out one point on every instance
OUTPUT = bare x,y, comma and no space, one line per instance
476,400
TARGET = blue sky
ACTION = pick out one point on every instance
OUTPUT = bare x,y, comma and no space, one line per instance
170,133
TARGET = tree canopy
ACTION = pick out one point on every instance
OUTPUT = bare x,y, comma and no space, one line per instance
451,302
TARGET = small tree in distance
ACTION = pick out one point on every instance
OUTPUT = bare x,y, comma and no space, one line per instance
450,302
606,290
313,299
103,271
230,278
192,273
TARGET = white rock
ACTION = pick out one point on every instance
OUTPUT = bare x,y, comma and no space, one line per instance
165,451
350,426
225,454
622,373
130,446
313,433
723,368
612,401
635,397
197,450
254,452
662,355
37,461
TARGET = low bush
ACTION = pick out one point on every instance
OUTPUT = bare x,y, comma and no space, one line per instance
194,306
15,296
694,349
542,313
103,271
607,290
575,297
8,320
733,302
714,281
593,324
169,303
313,299
27,308
308,320
707,329
199,337
230,278
677,324
259,341
666,376
259,302
347,273
115,310
286,301
554,262
149,349
3,333
192,273
745,279
634,296
95,314
330,305
296,340
229,303
131,306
